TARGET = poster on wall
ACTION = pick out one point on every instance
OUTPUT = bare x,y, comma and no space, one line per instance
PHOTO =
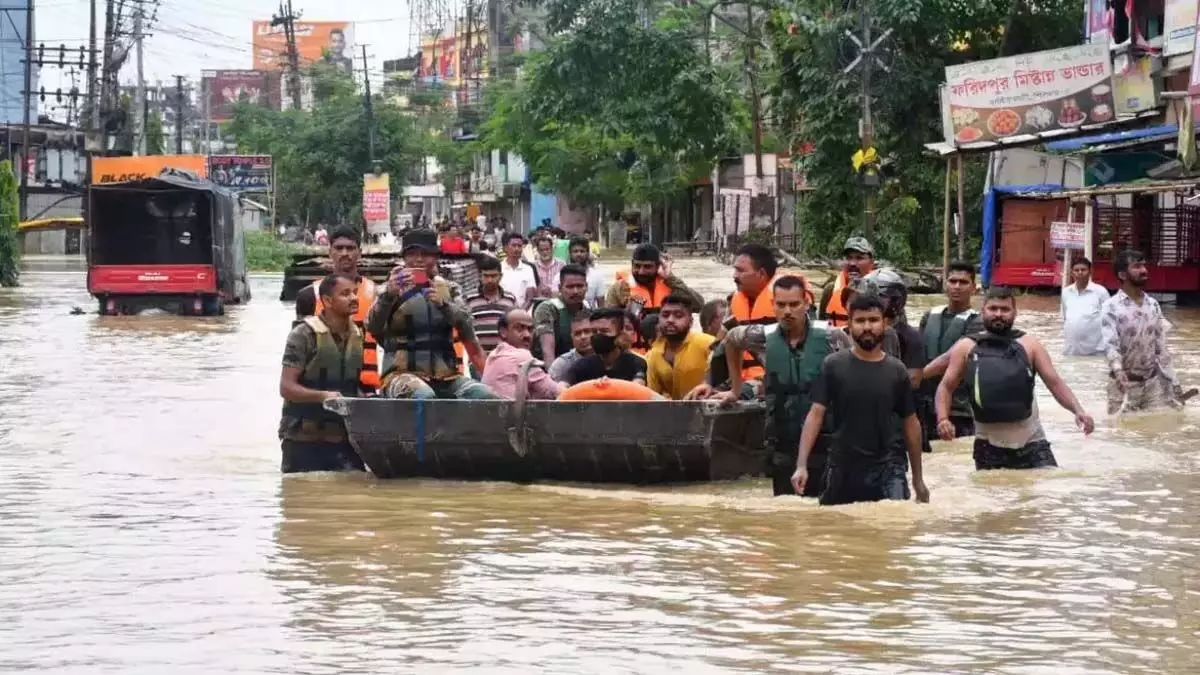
1179,17
1096,21
1028,94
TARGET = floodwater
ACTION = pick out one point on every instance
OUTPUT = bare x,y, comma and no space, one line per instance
144,528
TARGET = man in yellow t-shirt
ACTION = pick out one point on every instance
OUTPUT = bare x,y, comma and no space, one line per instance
678,360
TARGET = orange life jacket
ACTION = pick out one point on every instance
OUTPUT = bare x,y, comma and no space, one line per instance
761,312
835,309
649,299
369,376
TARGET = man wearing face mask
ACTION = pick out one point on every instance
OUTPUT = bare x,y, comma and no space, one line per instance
858,260
608,359
870,398
999,366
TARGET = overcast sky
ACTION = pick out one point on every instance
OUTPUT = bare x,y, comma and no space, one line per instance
190,36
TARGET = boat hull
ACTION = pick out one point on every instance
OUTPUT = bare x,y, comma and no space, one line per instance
596,441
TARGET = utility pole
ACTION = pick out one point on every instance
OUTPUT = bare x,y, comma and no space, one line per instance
26,151
868,45
493,10
287,18
755,104
139,101
103,100
179,114
368,110
93,90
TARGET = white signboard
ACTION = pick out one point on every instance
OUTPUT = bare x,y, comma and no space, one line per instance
1180,19
1066,235
1060,89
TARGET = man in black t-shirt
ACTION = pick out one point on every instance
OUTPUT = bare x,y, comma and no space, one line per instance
870,397
608,359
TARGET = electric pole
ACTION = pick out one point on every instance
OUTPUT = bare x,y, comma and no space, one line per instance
26,151
139,101
367,109
103,99
92,88
868,46
287,18
179,114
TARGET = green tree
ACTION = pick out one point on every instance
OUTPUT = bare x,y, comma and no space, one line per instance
616,110
813,102
155,139
10,253
321,155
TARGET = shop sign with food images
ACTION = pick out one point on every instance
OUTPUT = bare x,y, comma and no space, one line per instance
1030,94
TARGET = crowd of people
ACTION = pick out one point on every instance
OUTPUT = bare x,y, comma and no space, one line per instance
854,393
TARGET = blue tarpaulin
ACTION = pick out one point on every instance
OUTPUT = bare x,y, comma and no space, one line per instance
1081,142
991,208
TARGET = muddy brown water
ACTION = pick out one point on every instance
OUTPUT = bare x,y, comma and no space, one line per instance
144,528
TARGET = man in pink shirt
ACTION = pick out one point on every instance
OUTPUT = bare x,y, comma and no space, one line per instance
502,372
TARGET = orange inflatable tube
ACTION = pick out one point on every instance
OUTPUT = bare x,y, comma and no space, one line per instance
607,389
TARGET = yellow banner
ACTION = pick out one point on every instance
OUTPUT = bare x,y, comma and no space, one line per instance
124,169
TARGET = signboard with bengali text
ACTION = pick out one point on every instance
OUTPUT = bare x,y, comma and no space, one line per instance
1060,89
1066,235
376,203
241,173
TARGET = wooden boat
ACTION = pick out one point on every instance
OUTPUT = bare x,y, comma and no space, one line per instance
595,441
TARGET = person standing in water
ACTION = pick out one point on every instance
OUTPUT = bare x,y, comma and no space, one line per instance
1082,304
1141,376
941,328
870,397
999,366
321,361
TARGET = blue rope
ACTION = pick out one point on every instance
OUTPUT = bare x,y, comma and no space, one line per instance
420,431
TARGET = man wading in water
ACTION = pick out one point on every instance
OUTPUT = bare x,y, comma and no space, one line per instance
870,397
321,361
998,366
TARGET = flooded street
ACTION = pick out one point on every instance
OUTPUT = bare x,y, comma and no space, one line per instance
146,529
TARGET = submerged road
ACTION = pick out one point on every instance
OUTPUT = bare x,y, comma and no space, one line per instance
144,528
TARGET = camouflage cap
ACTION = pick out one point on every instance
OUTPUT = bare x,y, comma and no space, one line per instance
859,245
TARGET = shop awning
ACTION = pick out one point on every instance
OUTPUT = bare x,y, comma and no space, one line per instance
1099,142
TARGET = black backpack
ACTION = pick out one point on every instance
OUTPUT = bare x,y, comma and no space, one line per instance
999,378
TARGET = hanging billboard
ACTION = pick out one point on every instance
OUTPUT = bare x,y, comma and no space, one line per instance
1029,94
226,88
125,169
329,41
241,173
377,202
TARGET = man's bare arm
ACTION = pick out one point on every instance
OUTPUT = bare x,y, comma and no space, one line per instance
810,433
291,390
936,367
955,369
1044,367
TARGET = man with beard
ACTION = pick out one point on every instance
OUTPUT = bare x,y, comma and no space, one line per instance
999,365
792,350
652,281
345,250
608,359
504,365
870,398
678,359
581,341
552,319
1141,376
858,259
321,361
581,254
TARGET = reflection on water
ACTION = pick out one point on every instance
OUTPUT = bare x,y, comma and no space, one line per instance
146,529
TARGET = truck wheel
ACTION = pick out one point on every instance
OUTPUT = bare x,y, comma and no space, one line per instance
213,306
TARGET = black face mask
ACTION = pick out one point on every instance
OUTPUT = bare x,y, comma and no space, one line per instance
603,344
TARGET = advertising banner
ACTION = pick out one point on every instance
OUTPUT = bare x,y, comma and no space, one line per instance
125,169
226,88
241,173
1096,19
377,197
1179,17
1134,90
331,41
1029,94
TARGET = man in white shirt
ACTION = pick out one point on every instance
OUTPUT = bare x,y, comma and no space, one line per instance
581,254
1082,302
518,277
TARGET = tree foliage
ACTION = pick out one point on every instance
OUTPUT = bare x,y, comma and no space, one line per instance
320,156
616,109
813,102
10,216
155,138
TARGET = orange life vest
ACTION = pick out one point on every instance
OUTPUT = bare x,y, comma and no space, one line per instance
369,376
762,312
649,299
835,309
